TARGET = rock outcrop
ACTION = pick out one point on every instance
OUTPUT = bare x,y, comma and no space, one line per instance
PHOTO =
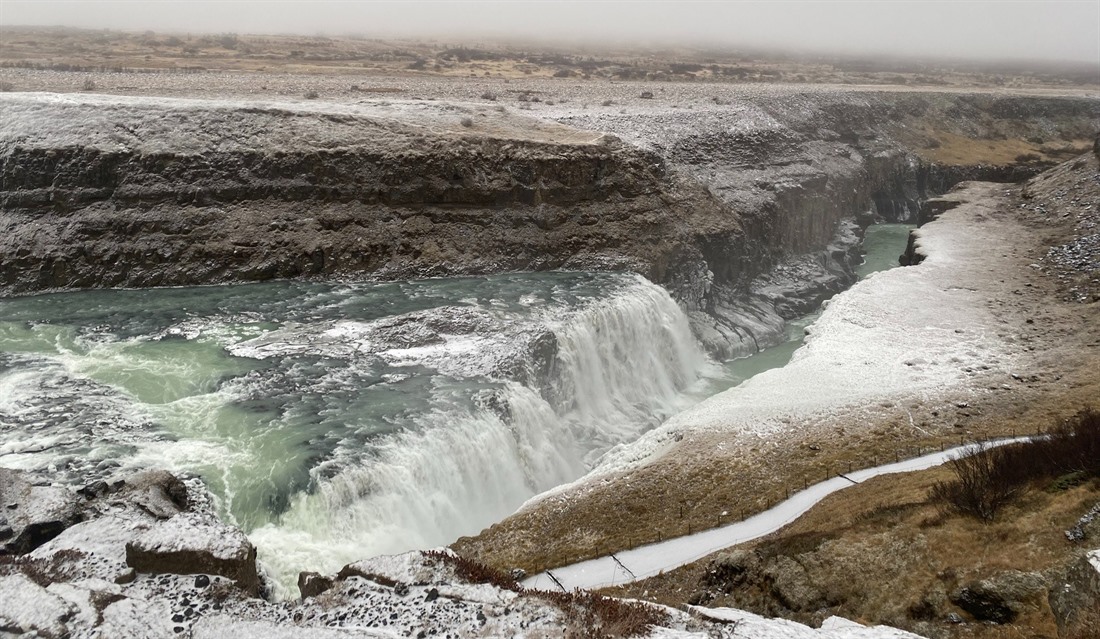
28,608
1075,595
70,587
98,191
1002,597
187,544
30,514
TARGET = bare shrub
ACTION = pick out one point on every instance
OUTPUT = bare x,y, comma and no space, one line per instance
990,478
311,95
471,571
592,616
606,103
489,96
981,488
467,122
89,85
6,87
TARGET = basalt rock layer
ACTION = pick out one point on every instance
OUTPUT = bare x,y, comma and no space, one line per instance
100,191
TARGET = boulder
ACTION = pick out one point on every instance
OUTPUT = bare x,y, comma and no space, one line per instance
32,515
158,492
791,585
1075,593
730,569
1001,598
100,545
311,584
190,544
26,607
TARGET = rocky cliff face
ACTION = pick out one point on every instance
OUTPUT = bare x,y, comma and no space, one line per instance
104,191
167,193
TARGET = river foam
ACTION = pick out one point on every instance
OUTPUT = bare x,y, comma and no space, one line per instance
334,422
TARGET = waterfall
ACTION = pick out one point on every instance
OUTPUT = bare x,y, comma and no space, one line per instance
621,365
336,422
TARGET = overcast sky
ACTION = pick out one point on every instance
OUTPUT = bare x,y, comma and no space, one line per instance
1046,29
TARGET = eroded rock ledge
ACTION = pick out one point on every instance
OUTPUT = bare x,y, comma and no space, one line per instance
102,191
148,559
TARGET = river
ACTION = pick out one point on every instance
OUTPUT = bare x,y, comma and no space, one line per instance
334,422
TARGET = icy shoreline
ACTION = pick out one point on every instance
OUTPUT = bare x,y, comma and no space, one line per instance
914,332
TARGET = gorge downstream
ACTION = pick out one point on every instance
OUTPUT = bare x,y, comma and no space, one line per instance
335,422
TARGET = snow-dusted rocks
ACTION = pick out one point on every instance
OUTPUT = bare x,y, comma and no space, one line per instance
81,584
1074,593
746,625
158,492
31,515
26,607
192,544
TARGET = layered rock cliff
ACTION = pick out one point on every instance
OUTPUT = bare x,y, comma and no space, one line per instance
102,191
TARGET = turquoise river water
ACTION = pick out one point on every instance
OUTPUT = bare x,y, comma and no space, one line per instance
334,422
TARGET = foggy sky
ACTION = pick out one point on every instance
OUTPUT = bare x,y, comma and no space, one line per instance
1050,29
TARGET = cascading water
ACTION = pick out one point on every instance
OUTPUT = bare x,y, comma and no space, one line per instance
335,422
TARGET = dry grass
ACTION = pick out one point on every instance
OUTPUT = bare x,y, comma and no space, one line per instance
667,500
883,553
954,148
59,566
588,615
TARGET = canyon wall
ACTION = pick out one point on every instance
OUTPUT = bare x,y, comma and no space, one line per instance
99,191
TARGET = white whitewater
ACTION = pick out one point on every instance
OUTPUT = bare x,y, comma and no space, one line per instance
623,364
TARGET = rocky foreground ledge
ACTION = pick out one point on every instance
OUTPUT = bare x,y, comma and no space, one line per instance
144,556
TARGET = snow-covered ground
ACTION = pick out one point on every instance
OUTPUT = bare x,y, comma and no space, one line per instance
919,333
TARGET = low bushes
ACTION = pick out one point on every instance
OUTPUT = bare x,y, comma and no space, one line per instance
991,477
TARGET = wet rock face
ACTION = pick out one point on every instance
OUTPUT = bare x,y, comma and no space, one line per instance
311,584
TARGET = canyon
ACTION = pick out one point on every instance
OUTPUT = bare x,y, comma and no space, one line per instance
746,204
